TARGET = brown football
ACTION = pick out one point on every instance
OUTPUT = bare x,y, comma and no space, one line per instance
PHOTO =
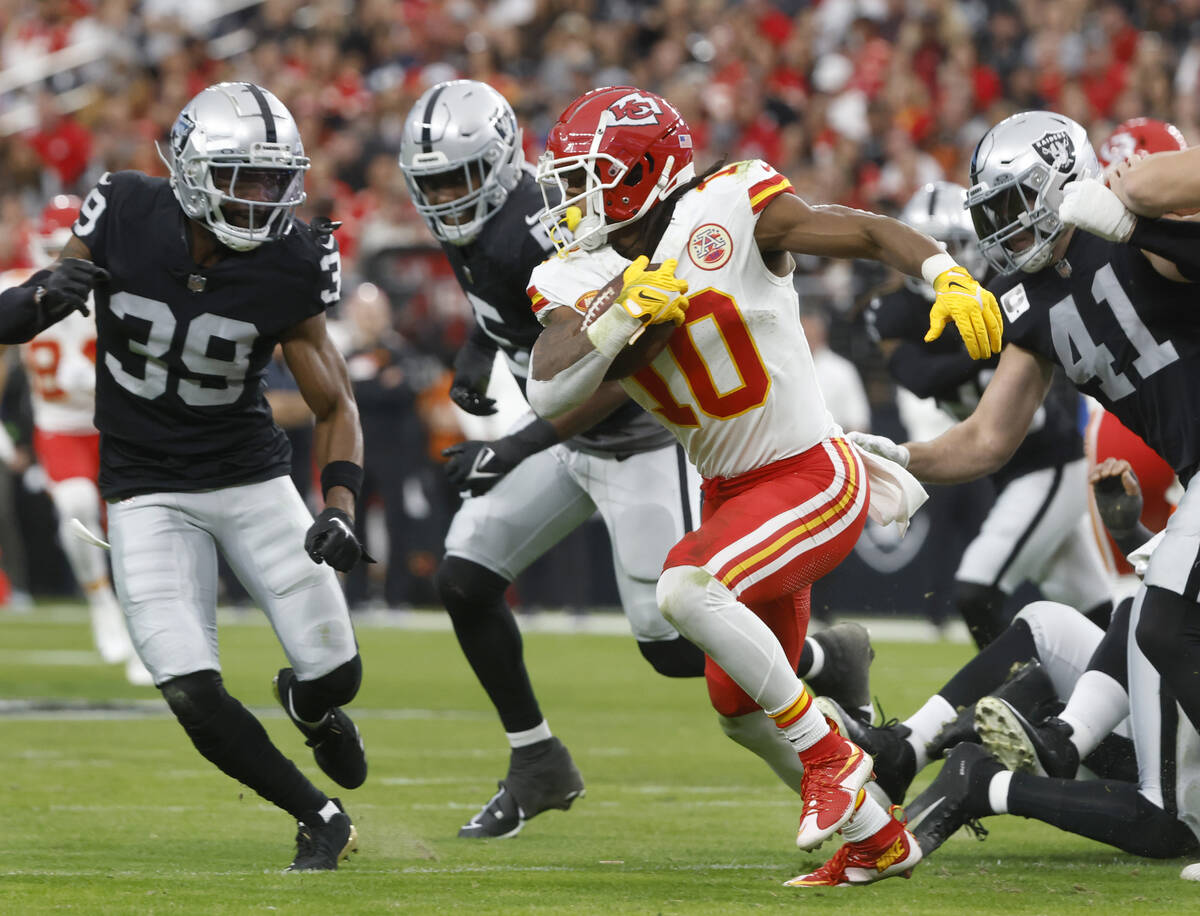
641,352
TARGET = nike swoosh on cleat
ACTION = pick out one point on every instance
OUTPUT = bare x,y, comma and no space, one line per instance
849,764
916,822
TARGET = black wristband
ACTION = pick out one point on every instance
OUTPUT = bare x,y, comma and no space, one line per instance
341,474
536,437
1177,240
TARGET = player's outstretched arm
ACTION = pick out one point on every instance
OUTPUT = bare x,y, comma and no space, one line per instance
49,296
1119,502
985,441
1158,184
789,224
321,375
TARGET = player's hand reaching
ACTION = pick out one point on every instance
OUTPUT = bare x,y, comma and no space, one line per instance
1118,494
68,287
330,539
475,467
881,446
1090,205
653,296
972,308
472,373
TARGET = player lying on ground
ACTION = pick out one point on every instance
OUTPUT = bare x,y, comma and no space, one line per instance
462,158
727,370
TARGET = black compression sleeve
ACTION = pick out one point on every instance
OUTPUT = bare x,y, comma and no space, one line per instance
535,437
1176,240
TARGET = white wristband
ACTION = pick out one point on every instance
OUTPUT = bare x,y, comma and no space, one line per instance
611,331
935,265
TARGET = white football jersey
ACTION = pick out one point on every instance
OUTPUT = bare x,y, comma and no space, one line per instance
61,364
736,383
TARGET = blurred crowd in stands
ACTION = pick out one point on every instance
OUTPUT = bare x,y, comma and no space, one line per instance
858,102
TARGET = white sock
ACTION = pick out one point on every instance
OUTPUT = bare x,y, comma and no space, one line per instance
1096,706
998,791
867,821
925,723
818,654
540,732
803,729
328,811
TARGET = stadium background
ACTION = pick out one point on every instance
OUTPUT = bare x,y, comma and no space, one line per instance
859,102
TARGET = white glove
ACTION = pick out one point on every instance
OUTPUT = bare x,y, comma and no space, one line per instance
1093,207
881,446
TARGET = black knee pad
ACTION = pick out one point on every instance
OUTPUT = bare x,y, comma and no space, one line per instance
312,699
466,588
195,698
982,610
674,657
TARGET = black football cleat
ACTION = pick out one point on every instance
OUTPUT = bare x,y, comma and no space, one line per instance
337,745
895,760
1021,746
540,777
846,674
321,844
957,796
1028,689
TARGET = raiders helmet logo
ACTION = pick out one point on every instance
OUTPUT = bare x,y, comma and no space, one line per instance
1057,150
180,132
635,109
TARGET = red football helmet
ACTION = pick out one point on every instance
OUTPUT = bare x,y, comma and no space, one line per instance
612,155
54,229
1139,135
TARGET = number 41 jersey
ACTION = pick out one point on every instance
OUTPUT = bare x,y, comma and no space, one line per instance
736,383
1125,334
181,349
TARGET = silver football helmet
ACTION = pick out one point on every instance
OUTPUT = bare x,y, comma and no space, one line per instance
461,137
237,164
939,210
1018,173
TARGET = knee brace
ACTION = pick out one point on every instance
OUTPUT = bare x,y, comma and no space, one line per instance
312,699
674,657
982,610
467,589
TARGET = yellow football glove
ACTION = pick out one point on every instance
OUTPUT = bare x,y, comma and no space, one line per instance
974,310
653,296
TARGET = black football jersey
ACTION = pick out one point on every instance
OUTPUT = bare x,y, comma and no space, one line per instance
943,370
494,273
1123,333
181,350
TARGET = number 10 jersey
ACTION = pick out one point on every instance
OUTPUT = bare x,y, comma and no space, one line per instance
736,382
181,350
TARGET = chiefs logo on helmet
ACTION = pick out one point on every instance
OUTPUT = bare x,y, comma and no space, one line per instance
635,109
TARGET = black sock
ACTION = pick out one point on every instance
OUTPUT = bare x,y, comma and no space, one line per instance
991,667
806,661
1111,656
676,657
490,639
311,700
982,610
1105,810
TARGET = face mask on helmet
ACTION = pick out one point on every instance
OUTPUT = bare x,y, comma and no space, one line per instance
1020,169
237,164
613,155
461,155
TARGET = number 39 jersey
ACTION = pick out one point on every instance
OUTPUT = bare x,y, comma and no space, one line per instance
181,350
736,383
1125,334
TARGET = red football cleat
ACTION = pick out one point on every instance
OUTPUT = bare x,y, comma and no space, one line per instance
890,852
834,770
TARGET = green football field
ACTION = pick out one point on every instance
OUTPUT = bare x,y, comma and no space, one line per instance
108,809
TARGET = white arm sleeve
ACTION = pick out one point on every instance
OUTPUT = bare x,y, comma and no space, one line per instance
569,388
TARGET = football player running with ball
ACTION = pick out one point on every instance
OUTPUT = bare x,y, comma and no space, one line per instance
785,494
462,159
196,280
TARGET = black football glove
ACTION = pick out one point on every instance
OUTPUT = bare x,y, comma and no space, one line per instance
472,372
68,287
331,540
475,467
1119,509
